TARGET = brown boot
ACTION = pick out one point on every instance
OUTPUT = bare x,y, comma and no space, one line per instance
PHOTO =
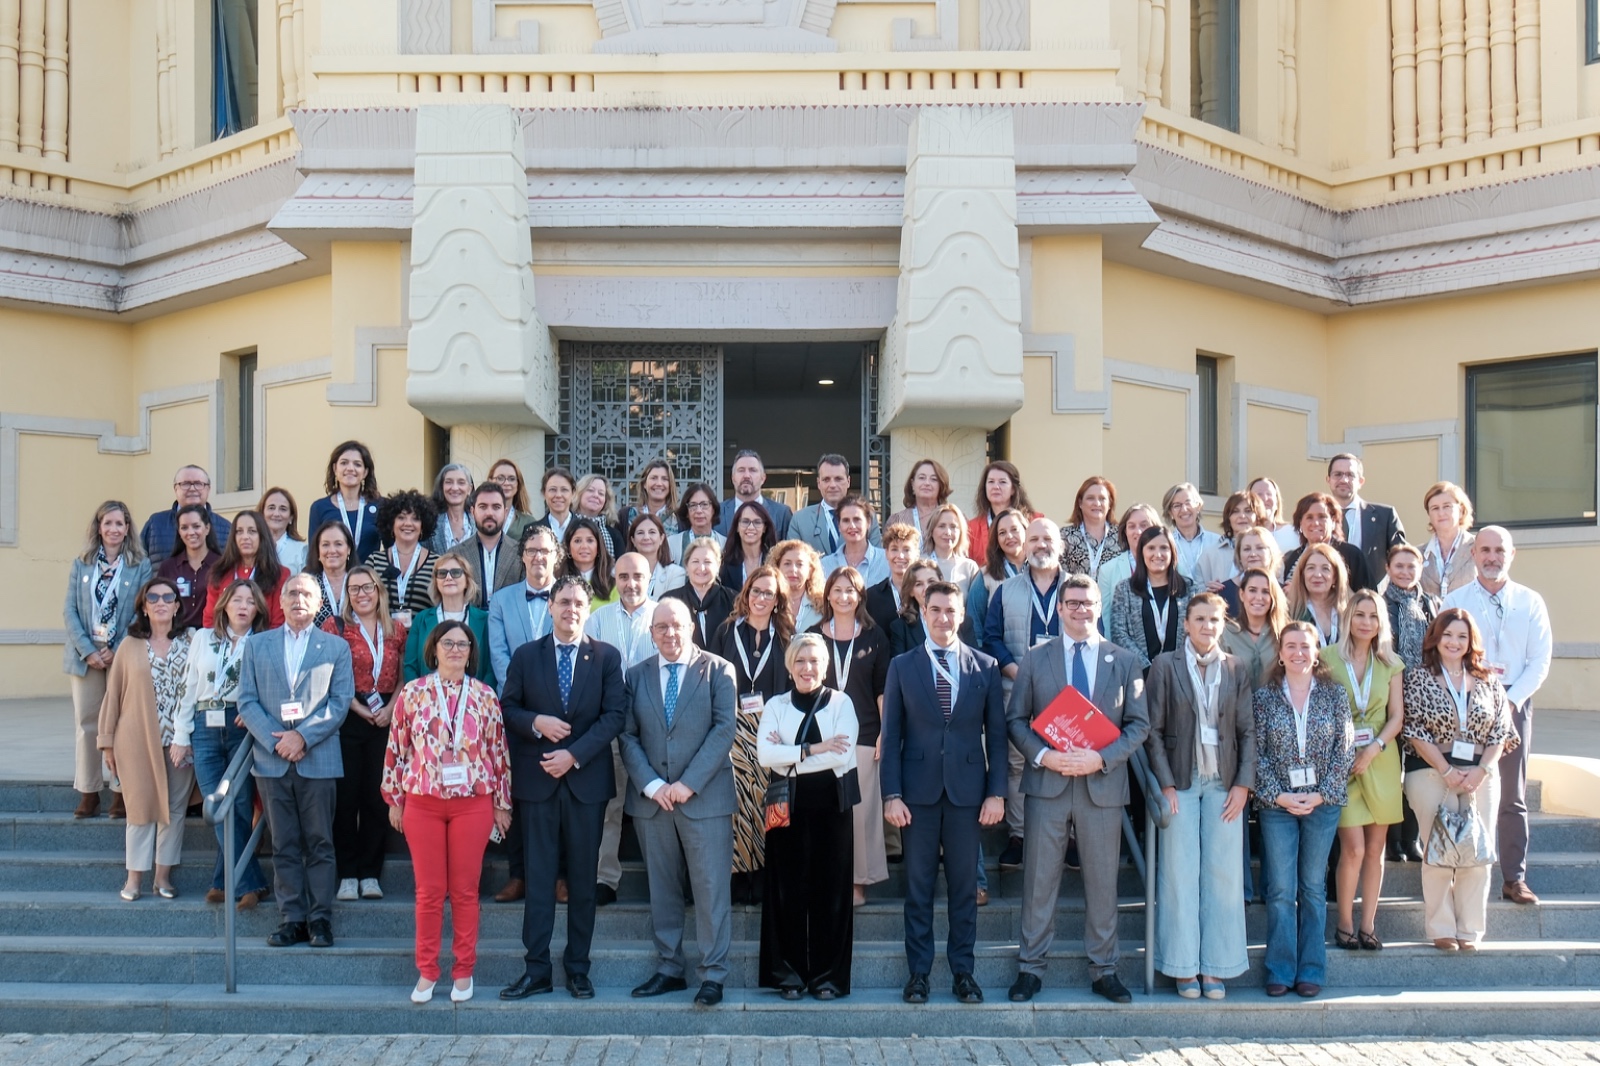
515,889
88,805
118,810
561,890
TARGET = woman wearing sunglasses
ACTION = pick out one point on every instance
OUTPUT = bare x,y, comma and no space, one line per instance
454,592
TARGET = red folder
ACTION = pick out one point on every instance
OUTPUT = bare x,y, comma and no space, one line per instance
1073,722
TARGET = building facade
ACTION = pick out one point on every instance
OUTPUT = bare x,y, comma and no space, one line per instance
1160,240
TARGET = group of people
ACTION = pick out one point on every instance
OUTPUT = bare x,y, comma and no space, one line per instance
783,703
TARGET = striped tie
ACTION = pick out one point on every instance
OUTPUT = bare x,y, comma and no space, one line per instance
941,684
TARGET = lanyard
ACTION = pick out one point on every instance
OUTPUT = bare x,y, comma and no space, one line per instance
950,678
403,582
1161,614
1436,549
744,660
534,628
1460,696
1012,569
1206,689
375,649
1330,636
455,705
1361,690
841,667
344,516
335,603
1046,613
228,654
1095,550
1302,716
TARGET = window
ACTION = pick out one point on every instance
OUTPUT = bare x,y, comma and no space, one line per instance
235,54
1207,369
245,442
1591,30
1214,62
1531,441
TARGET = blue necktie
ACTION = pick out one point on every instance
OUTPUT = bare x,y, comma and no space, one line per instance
669,700
833,531
1080,673
564,671
941,684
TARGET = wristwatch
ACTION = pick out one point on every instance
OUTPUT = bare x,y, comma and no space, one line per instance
1383,745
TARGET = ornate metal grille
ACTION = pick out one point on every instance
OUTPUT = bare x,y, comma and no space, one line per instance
874,446
625,404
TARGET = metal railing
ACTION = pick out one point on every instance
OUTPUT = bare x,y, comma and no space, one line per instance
1156,817
219,808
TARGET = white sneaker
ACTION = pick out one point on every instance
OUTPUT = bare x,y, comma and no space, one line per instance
459,994
423,993
347,890
370,888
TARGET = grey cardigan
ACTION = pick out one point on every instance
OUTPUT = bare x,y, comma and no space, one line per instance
1169,697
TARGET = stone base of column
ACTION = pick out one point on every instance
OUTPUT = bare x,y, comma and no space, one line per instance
478,444
962,451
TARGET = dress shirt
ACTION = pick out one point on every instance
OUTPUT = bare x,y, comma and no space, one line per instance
291,555
873,568
1352,522
953,664
685,657
538,609
214,668
295,645
1091,660
489,558
628,633
1519,645
1191,551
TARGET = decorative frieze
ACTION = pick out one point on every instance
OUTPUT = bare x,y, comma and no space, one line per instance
665,26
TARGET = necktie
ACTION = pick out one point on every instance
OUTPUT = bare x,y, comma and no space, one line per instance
833,530
1080,673
941,684
544,594
669,699
564,671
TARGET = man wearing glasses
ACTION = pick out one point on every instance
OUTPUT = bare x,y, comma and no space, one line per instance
190,485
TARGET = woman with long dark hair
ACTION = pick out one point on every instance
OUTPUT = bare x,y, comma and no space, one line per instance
351,484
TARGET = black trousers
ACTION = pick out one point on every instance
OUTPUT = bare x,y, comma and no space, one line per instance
300,815
807,918
946,833
562,826
361,818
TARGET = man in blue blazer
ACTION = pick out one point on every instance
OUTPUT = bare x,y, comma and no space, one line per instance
564,702
520,613
943,775
295,688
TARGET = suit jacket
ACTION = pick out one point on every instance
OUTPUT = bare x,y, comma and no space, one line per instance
809,525
507,565
696,750
1380,531
325,686
777,510
926,759
1355,564
880,604
509,627
595,709
1118,694
1169,698
80,616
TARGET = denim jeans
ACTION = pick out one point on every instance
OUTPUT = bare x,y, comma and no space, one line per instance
213,750
1295,859
1199,888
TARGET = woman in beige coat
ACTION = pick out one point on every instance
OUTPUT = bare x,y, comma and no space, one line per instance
143,692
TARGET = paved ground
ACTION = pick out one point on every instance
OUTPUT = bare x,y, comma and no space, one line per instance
137,1050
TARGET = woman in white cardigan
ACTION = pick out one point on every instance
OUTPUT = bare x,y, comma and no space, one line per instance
807,917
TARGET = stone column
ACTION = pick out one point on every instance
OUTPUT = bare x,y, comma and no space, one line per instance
477,444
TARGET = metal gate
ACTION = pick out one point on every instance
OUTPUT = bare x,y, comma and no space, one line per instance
874,446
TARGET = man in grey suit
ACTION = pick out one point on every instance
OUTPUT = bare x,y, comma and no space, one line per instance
818,524
1083,787
492,555
749,474
295,688
1372,528
676,745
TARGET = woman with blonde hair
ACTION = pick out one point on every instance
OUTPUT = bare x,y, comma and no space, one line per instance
1447,557
946,544
593,499
1318,589
655,493
801,568
1266,490
1254,549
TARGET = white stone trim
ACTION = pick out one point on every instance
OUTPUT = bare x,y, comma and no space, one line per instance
602,307
946,36
1445,433
1155,377
486,42
273,377
363,391
26,637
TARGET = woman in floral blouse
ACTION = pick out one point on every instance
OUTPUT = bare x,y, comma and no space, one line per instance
143,692
1303,740
447,780
1458,723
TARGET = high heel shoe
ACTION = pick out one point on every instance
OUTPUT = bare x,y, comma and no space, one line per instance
423,993
1369,941
1345,940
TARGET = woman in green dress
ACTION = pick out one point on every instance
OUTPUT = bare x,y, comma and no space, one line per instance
1365,663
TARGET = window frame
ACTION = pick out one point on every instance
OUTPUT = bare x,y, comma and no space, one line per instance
1591,31
1208,397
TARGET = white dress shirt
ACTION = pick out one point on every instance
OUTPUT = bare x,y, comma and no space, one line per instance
1517,641
1091,663
291,555
1352,522
1190,551
685,657
628,632
294,650
873,568
953,659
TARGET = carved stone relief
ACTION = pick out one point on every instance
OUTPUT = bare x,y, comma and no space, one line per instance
715,25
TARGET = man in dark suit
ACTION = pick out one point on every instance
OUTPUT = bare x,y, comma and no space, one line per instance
944,776
1372,528
749,474
676,746
1079,790
564,702
493,556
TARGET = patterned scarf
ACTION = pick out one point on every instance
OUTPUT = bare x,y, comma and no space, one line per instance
1205,698
105,587
1412,623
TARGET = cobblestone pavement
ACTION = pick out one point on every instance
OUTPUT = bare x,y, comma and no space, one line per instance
149,1050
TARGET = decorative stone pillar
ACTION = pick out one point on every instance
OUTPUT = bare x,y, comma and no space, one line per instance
479,444
952,367
479,359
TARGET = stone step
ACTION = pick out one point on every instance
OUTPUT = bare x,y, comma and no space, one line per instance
876,964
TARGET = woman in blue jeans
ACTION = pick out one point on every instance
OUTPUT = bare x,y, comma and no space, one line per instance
1202,749
1303,756
208,721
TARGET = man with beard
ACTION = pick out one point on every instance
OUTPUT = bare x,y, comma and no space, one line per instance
494,562
749,474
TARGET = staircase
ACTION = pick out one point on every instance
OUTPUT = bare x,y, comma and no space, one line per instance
74,957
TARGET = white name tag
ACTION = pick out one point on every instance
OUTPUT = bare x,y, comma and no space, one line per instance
1463,751
183,586
1045,639
216,718
1208,736
102,633
751,703
1498,668
1303,777
291,710
1364,736
452,774
375,701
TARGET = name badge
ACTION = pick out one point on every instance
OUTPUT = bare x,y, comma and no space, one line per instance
1498,668
452,772
1364,736
1303,777
1463,751
216,718
102,633
1208,736
375,701
751,703
183,587
1045,639
291,710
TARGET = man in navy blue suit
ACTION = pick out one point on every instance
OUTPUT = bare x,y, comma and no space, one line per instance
944,776
564,702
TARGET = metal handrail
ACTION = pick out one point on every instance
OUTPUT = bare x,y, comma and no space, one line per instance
1156,817
219,808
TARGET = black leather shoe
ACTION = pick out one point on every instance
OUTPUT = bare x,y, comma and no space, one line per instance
827,992
322,933
526,986
660,984
1011,857
604,894
1025,988
710,994
1112,988
580,986
966,989
916,990
288,934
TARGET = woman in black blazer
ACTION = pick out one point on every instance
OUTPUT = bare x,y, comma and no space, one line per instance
906,631
1316,516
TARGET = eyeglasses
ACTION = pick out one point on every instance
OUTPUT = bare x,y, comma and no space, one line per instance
191,484
700,505
751,523
362,589
452,571
763,594
504,479
455,645
161,597
1078,605
538,552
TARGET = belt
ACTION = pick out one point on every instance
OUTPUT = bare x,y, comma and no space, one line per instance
212,705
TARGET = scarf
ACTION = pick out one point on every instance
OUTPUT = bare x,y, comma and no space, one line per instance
1405,607
1206,691
105,587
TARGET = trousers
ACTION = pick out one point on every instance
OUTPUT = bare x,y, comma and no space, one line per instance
447,838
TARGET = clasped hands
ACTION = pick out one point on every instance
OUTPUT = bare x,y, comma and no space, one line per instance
895,812
1074,762
669,796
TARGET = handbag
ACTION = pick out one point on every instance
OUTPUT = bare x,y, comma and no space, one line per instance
780,791
1459,839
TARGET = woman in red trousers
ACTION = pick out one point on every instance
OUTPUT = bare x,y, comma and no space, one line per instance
447,781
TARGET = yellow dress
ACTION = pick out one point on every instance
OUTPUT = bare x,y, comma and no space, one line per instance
1375,796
